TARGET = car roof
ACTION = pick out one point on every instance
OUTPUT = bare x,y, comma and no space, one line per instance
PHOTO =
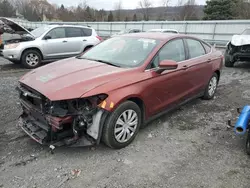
156,36
64,25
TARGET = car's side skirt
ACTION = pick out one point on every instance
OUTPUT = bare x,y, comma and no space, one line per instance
174,107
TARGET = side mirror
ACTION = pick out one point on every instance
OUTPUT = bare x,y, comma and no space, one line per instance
47,37
167,65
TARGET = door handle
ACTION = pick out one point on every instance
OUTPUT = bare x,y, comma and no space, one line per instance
209,60
84,40
185,67
65,41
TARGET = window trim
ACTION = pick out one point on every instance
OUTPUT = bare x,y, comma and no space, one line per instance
157,54
186,50
201,44
186,43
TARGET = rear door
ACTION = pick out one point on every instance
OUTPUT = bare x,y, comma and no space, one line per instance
199,65
75,40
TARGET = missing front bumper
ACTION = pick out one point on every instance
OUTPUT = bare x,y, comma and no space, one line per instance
45,135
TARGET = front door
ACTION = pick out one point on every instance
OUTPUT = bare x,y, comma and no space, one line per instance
57,44
169,87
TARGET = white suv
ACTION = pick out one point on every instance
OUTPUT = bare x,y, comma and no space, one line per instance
47,43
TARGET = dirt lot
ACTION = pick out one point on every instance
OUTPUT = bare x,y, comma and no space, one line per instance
189,148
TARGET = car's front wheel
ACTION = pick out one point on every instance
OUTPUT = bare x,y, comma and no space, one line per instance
31,59
122,125
211,87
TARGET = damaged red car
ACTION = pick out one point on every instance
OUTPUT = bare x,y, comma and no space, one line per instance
110,91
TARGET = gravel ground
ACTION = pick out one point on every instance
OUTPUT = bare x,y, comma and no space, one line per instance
189,148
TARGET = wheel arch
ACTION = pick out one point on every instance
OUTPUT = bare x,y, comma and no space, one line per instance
87,47
112,103
33,48
218,74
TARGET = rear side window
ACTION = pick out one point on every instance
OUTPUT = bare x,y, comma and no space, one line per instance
87,32
195,48
207,47
74,32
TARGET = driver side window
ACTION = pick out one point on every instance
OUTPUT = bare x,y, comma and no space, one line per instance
57,33
173,50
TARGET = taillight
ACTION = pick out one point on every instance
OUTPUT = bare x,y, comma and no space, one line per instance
99,38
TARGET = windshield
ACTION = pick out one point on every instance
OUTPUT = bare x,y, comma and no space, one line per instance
40,30
122,51
246,32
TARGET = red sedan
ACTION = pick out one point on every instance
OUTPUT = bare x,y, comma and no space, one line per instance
110,91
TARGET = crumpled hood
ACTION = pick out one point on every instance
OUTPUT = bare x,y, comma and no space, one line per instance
239,40
70,78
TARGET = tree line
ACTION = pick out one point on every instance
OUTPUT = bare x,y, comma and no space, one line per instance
39,10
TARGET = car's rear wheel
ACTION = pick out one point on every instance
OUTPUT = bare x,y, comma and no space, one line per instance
211,87
31,59
122,125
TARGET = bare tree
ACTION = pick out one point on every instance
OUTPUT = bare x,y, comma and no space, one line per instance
163,13
187,10
118,10
145,5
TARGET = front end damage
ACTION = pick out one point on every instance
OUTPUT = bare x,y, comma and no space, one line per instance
238,52
76,122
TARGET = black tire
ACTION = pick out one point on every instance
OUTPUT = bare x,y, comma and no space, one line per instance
207,95
108,134
228,60
248,143
87,48
33,53
15,62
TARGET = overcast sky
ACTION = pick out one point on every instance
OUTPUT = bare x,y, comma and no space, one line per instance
109,4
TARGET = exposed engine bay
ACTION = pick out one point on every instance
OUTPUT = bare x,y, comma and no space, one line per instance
76,122
11,32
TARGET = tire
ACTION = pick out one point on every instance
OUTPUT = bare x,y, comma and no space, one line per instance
228,60
87,48
211,87
114,139
15,62
35,59
248,143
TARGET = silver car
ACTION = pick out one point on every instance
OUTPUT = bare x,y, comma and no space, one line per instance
46,43
163,31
